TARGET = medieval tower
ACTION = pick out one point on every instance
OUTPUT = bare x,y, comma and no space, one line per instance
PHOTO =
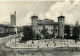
61,25
35,24
13,19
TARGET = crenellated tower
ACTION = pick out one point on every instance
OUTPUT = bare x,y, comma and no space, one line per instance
61,25
35,23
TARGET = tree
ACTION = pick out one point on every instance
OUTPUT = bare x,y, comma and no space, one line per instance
27,32
79,29
67,31
44,32
53,34
38,36
76,33
47,35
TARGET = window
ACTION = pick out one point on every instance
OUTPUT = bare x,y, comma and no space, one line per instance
51,29
56,30
39,29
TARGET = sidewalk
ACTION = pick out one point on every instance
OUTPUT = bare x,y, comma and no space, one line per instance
2,39
43,44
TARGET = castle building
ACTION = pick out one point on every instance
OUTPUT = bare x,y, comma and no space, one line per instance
53,27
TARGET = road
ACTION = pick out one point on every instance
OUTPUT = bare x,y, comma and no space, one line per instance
3,49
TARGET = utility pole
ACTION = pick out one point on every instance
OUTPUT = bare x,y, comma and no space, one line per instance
15,41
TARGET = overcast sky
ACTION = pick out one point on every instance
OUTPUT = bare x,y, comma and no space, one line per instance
43,9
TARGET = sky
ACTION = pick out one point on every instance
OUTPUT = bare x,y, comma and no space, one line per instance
43,9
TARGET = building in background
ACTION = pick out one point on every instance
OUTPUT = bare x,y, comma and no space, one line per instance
13,21
13,18
5,30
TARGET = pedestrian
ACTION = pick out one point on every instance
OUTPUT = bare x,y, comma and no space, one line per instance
42,53
55,44
45,41
76,48
42,41
28,45
18,51
38,41
53,41
12,50
72,50
64,43
61,41
38,46
9,46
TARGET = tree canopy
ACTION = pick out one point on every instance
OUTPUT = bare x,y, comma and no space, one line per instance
67,31
27,32
44,32
76,33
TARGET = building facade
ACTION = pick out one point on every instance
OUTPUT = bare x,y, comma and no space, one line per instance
56,28
5,30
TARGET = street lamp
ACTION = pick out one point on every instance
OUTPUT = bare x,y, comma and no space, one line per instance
10,38
15,41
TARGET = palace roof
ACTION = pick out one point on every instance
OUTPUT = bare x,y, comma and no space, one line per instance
5,25
47,22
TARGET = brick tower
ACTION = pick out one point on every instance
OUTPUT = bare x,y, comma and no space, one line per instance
61,25
35,24
13,18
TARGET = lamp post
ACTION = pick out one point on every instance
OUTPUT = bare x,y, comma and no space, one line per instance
15,41
10,38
